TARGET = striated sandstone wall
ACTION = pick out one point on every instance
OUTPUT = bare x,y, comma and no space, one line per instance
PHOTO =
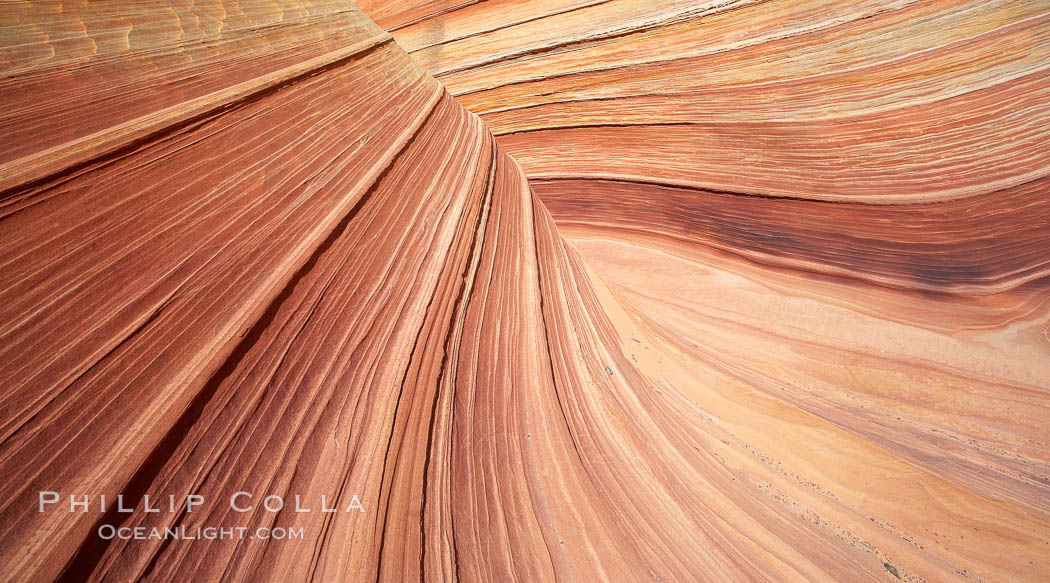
739,291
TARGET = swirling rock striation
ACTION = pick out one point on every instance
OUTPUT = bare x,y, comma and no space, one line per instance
256,247
836,208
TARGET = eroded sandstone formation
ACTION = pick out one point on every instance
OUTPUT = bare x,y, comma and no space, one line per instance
738,291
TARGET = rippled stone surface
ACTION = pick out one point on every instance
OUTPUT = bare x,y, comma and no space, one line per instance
738,290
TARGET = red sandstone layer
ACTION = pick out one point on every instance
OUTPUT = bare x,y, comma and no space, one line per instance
257,248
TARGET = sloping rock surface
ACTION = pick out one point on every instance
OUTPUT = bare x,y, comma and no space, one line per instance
739,291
